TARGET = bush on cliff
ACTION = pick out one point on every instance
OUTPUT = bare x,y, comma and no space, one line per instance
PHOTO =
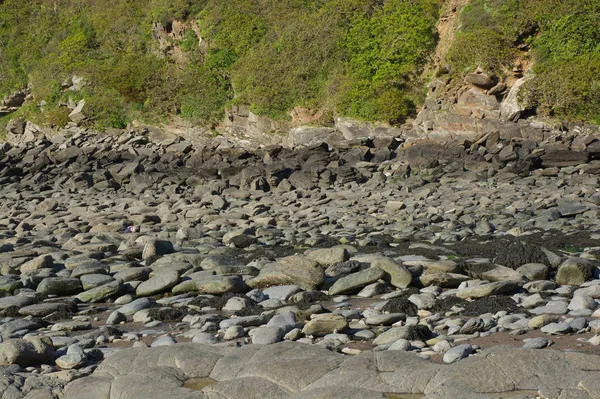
273,56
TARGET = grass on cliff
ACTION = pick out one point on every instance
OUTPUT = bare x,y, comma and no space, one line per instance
358,58
561,37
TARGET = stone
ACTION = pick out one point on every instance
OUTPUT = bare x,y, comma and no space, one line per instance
329,256
480,80
323,324
501,273
534,271
571,208
236,303
397,274
44,309
400,345
266,335
286,321
77,115
90,281
204,338
395,333
245,321
556,328
372,290
13,326
135,306
510,108
30,351
133,274
423,301
484,290
535,343
552,307
115,318
17,301
574,271
443,280
101,293
582,301
294,269
159,283
72,325
281,292
539,286
457,353
165,340
213,285
59,286
41,262
233,332
156,248
356,281
75,358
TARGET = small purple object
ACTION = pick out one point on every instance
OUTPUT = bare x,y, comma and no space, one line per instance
132,229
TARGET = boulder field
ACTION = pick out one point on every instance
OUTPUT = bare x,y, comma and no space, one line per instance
132,267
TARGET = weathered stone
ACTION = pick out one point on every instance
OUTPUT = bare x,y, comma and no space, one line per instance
323,324
574,271
484,290
216,285
161,282
329,256
294,269
397,274
59,286
156,248
355,281
480,79
31,351
101,293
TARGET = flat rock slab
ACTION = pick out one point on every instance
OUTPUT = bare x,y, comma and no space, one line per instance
296,370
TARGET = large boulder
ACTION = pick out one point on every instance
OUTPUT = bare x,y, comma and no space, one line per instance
156,248
484,290
480,79
329,256
356,281
100,293
30,351
510,108
159,283
295,269
397,274
323,324
574,271
59,286
213,285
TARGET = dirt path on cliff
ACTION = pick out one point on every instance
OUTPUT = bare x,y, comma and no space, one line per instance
447,28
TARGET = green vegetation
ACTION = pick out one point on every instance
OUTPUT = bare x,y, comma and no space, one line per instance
154,59
351,57
564,41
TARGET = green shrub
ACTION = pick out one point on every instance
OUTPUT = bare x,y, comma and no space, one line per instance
567,89
564,37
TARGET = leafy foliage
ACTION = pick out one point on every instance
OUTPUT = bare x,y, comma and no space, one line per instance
564,37
359,58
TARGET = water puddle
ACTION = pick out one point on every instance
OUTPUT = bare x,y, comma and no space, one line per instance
196,384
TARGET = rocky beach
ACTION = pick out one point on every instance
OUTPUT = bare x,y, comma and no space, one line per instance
139,265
